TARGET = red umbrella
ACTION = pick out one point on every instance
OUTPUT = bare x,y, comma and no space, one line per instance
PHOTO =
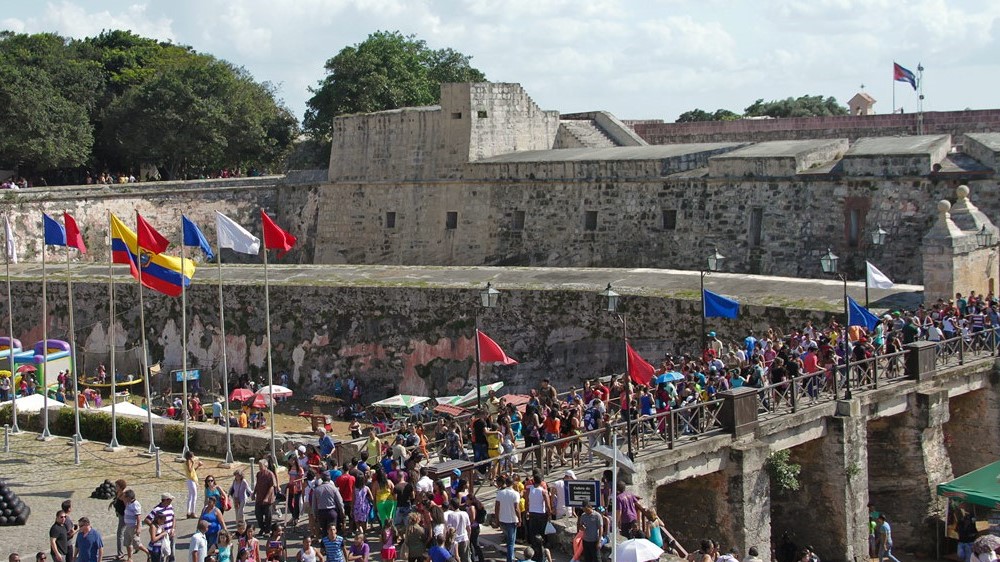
241,394
26,369
259,401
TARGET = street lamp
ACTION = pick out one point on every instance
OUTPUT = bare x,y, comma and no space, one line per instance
829,264
714,261
878,239
984,237
488,298
611,299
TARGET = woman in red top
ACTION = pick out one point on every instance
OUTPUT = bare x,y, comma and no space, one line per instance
313,459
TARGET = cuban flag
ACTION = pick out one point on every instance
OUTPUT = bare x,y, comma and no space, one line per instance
900,74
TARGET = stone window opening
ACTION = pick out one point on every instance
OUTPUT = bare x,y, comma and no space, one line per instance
853,227
756,226
390,219
670,219
481,114
456,115
451,220
590,221
517,222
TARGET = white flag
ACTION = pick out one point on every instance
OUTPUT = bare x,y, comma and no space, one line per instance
9,237
233,236
876,278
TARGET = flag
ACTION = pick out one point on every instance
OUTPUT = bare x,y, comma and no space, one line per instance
194,237
718,306
490,352
149,238
900,74
231,235
160,272
639,370
9,240
55,234
73,237
860,316
876,278
274,237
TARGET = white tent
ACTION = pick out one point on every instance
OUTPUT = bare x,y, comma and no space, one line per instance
127,409
401,401
470,397
34,403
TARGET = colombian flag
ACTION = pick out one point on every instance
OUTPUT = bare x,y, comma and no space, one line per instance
160,272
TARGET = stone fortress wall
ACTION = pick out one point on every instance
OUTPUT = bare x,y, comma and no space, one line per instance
584,194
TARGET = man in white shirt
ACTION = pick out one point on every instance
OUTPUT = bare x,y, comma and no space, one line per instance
457,518
133,515
198,550
424,484
507,513
558,491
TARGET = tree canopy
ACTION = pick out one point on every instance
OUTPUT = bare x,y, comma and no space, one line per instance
388,70
804,106
119,101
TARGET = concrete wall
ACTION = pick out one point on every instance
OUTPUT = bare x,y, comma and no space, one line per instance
847,126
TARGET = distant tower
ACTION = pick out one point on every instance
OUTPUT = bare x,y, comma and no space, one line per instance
862,104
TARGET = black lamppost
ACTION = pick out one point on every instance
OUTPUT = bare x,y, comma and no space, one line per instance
878,239
612,298
829,265
488,298
714,261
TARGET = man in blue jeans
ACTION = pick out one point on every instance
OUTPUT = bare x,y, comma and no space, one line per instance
507,514
883,538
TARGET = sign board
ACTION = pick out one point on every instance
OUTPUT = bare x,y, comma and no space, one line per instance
579,491
192,375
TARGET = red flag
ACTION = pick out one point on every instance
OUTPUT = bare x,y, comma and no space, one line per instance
490,352
639,370
149,238
275,238
73,237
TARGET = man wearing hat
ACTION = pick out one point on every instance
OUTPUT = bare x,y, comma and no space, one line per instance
165,508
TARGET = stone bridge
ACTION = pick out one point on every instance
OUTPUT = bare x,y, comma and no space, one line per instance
913,421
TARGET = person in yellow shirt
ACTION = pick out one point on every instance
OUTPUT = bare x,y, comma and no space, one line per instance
244,420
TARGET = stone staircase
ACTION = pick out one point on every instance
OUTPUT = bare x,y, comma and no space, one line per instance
587,133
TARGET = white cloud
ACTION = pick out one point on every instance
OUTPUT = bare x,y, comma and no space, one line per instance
73,20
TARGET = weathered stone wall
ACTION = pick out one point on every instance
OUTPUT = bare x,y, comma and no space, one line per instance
847,126
972,432
294,207
800,219
414,340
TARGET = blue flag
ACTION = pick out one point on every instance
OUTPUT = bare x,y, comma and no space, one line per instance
718,306
194,237
860,316
55,234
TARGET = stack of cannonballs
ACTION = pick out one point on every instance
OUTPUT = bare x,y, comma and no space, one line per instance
106,491
13,511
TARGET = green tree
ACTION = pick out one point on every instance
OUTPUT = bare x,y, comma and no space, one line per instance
45,95
804,106
388,70
702,115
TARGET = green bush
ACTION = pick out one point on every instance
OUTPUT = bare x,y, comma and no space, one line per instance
784,473
173,437
5,415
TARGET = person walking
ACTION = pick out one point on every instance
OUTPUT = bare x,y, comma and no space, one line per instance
883,538
133,516
118,504
198,549
166,509
265,491
590,523
89,546
191,466
507,514
58,538
239,492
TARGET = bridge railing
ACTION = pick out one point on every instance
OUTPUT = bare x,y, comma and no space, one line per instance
959,349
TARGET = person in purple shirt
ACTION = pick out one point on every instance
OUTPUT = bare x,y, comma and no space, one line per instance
627,508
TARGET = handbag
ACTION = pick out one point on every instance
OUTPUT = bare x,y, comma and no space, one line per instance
550,529
227,503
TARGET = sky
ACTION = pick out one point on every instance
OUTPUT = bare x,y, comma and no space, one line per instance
638,59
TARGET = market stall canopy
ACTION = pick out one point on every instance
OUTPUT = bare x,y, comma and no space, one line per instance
127,409
34,403
401,401
470,397
276,390
980,487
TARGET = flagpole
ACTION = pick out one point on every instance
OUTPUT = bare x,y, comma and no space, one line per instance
8,249
704,322
72,360
479,368
270,372
142,339
225,367
614,492
113,445
45,436
628,404
184,348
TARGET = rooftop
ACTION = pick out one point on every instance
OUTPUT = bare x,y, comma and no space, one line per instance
652,152
897,146
781,148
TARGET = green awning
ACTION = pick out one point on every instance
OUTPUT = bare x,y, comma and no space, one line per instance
980,487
